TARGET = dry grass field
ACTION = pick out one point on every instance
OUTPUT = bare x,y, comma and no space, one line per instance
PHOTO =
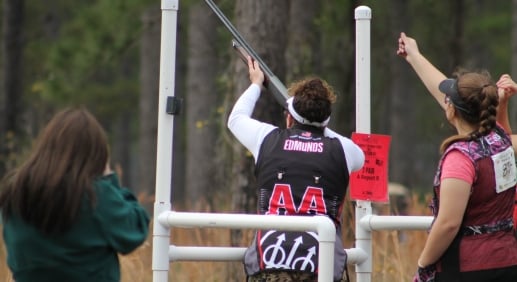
394,254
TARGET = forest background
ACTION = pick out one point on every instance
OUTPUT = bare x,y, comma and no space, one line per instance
104,54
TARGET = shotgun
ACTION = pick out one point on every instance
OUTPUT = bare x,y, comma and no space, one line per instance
271,82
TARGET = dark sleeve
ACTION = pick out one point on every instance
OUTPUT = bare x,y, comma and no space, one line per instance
124,222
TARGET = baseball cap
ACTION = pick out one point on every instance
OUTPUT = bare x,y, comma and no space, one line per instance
449,87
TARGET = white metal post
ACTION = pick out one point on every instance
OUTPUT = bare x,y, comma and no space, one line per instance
161,233
363,238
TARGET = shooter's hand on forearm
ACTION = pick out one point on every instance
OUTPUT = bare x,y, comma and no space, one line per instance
507,87
256,74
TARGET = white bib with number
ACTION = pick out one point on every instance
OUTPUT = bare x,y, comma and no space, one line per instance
505,170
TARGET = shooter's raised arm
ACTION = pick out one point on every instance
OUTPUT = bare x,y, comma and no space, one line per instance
427,72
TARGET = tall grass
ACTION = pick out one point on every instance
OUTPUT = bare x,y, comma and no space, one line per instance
394,253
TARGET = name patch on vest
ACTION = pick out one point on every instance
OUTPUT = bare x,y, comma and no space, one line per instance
301,146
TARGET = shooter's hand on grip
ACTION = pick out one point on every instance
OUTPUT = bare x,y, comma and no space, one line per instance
245,57
256,74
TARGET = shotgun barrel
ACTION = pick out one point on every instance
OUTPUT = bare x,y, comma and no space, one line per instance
271,82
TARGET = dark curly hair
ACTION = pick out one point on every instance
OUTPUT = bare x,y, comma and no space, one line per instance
313,98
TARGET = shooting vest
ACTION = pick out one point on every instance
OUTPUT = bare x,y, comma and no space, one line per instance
485,239
299,172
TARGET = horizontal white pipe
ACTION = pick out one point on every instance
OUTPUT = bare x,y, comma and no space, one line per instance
380,222
356,255
188,253
194,253
320,224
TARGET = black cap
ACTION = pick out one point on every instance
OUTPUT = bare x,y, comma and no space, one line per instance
449,86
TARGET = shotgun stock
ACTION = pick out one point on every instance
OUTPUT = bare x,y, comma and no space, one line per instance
271,82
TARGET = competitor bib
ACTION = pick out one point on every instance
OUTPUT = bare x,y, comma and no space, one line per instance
505,170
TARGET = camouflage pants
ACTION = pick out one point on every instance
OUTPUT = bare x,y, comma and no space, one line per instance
284,276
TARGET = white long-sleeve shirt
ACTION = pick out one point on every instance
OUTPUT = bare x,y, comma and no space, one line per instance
251,132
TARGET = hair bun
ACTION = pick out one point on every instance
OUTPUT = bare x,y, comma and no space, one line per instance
315,84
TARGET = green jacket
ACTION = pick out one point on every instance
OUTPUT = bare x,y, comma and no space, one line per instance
86,252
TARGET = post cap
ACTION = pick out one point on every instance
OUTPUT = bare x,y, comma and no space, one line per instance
363,12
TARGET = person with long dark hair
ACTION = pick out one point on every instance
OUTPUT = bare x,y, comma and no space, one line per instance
65,215
300,170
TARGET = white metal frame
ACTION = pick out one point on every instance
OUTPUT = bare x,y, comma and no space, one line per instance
163,253
320,224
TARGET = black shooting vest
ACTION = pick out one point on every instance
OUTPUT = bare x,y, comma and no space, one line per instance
299,172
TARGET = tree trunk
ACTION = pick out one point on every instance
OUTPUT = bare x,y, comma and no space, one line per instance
341,54
269,42
264,25
401,114
457,39
148,104
303,39
201,108
513,69
11,109
120,151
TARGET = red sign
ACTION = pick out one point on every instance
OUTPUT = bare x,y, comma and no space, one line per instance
371,182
